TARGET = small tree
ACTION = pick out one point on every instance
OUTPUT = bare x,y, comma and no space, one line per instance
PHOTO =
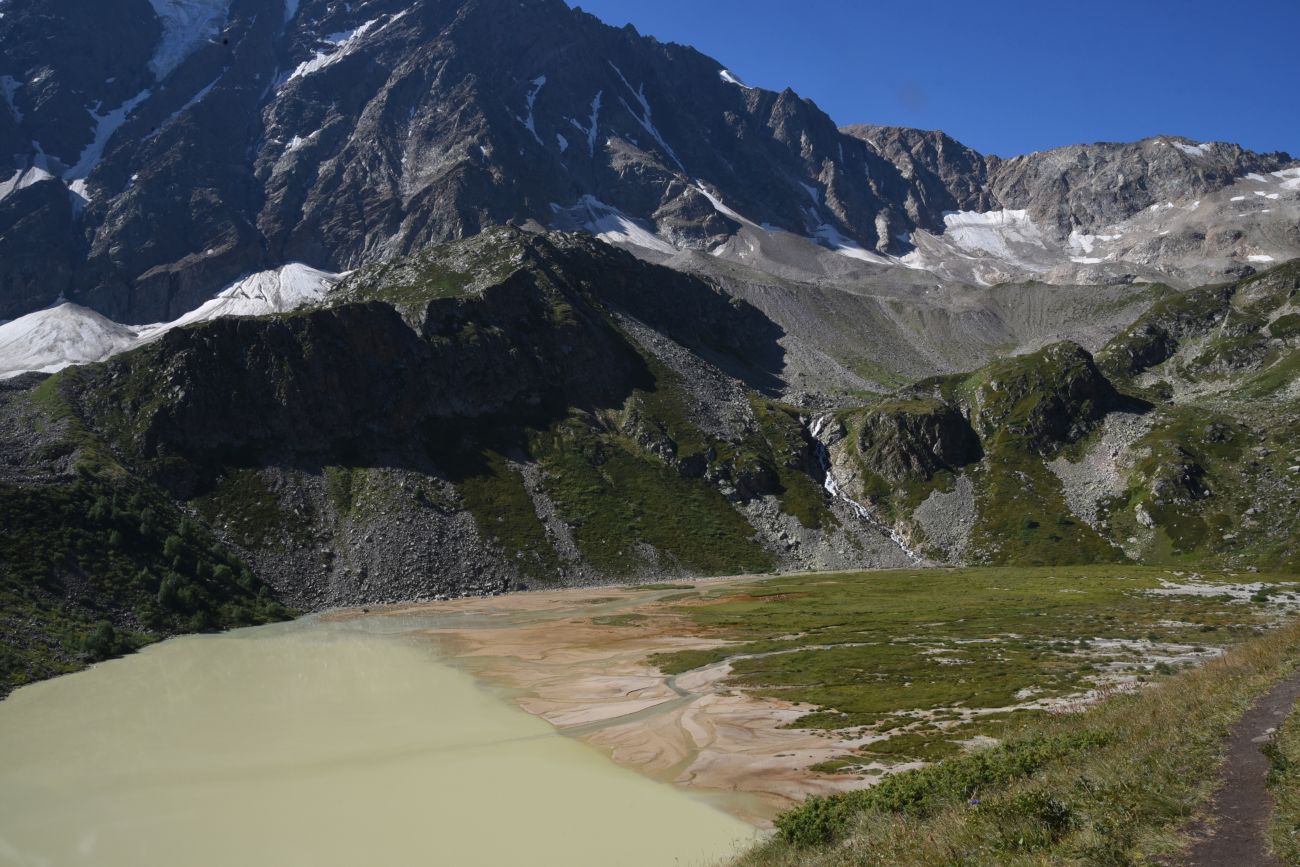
103,642
173,546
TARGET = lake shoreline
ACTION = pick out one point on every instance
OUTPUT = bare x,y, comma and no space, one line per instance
593,681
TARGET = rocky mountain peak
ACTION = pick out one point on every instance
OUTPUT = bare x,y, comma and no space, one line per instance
337,135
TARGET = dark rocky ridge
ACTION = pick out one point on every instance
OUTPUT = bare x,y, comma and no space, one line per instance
368,449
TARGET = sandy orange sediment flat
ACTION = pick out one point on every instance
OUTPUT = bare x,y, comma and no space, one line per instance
594,681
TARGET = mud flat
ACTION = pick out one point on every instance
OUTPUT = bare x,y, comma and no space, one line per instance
565,656
759,692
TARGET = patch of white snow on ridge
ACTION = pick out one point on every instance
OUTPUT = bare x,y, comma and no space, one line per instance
1198,150
1266,195
1083,243
718,204
1290,179
1257,178
993,232
611,225
52,339
277,291
1259,258
342,43
646,119
832,238
186,25
1237,199
105,126
727,76
590,131
22,179
538,83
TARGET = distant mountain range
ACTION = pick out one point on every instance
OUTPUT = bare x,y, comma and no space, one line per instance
164,149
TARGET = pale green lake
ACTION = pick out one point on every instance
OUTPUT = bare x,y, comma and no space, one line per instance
319,744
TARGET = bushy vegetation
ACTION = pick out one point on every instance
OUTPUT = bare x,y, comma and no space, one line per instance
616,498
921,794
1284,784
255,519
101,562
101,568
507,517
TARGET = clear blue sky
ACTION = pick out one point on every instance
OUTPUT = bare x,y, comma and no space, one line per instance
1011,76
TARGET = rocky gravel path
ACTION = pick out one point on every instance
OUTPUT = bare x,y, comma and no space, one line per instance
1235,831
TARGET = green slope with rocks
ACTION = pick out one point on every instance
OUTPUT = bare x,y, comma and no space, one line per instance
1176,445
521,410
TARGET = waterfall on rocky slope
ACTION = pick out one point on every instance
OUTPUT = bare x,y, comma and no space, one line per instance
833,488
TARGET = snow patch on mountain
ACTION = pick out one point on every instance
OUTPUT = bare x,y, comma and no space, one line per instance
1290,179
994,233
22,179
341,45
609,224
531,98
1082,244
719,206
593,123
105,126
1198,150
276,291
52,339
831,237
187,24
727,76
646,118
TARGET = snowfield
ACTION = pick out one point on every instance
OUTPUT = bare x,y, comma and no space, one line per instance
52,339
105,125
992,233
342,44
21,180
187,24
611,225
57,337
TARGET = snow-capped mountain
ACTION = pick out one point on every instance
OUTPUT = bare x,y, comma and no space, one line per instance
163,148
54,338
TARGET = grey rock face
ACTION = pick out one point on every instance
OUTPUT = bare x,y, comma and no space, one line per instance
193,150
1085,186
944,174
1089,186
